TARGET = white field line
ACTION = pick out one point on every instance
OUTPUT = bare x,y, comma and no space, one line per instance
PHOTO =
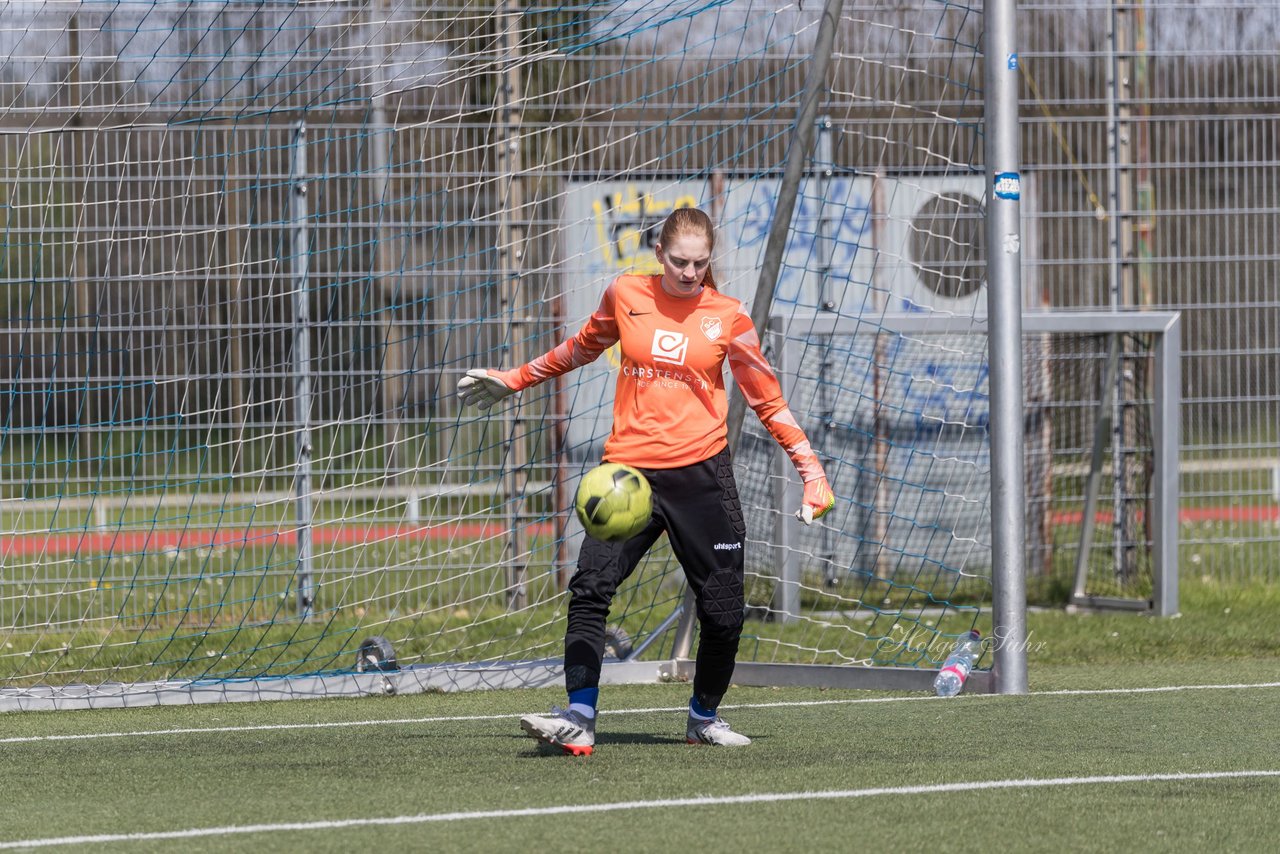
700,802
611,712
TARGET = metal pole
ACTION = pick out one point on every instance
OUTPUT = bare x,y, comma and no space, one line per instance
1004,310
386,285
1168,444
78,152
1114,288
302,374
1113,180
827,301
1122,275
824,228
511,238
1127,529
1111,400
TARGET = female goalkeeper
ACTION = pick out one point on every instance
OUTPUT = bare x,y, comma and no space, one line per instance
676,330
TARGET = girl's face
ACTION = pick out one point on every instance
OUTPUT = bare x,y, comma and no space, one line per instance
684,264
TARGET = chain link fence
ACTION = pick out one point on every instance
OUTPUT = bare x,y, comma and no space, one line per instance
1151,132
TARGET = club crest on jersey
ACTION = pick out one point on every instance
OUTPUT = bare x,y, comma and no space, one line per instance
670,347
712,328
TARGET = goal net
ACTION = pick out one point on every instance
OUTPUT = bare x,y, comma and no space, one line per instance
249,249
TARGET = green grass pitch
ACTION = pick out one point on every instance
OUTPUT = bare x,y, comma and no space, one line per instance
1091,760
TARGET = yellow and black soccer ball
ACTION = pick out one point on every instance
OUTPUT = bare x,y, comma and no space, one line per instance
614,502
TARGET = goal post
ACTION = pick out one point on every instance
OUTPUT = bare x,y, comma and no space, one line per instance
951,432
1161,394
232,453
1003,161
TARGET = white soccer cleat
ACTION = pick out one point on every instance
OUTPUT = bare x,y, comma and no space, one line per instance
715,731
573,733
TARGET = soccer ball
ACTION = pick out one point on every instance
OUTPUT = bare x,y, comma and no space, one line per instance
614,502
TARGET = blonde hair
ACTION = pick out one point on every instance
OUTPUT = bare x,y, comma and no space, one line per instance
689,221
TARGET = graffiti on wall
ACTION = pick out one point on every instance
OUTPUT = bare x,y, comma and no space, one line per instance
627,221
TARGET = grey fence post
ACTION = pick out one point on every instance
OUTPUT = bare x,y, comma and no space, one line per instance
304,582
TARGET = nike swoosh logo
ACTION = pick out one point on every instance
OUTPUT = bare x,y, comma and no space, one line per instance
634,313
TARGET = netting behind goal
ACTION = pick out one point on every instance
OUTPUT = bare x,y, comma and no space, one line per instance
250,248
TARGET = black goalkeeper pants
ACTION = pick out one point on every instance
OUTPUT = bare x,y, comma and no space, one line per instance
698,508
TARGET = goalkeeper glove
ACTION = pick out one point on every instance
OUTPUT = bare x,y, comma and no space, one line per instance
483,387
818,499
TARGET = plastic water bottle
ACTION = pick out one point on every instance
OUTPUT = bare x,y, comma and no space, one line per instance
955,670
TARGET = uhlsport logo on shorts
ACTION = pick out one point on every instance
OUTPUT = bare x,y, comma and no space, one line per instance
670,347
727,547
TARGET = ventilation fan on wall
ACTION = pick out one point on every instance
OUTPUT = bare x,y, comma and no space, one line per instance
932,245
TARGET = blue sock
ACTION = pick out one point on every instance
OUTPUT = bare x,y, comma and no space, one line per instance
698,712
588,697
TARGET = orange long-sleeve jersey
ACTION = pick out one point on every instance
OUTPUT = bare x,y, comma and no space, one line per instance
670,408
